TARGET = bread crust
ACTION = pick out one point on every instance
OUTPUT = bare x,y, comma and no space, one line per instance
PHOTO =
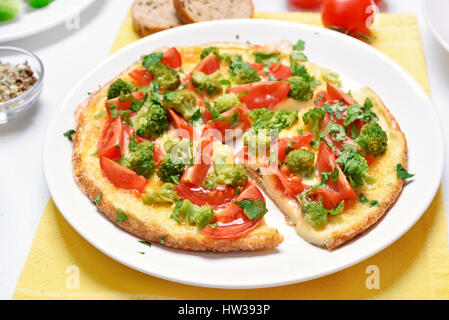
337,236
141,24
175,236
186,17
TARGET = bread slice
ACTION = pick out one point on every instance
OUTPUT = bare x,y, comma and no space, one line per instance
150,16
357,217
190,11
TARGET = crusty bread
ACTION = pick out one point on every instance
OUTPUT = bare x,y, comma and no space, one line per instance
190,11
357,217
150,16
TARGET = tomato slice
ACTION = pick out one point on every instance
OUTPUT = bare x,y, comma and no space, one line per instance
180,123
294,142
222,126
172,58
121,177
217,198
109,144
141,77
336,93
208,65
232,221
122,105
280,71
264,94
330,197
197,173
326,163
291,183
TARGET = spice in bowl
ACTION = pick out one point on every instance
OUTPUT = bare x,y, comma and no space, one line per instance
15,80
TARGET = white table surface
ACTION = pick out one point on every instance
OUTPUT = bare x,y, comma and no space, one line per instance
68,55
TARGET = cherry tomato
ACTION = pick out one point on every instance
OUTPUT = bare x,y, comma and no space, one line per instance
217,198
109,144
265,94
348,16
179,122
141,77
326,163
232,222
123,105
291,183
279,71
208,65
121,177
295,143
330,197
335,93
172,58
306,4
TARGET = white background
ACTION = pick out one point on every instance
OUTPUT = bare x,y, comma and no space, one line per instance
68,55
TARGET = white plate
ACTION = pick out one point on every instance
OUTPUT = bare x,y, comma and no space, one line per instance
294,260
31,21
436,15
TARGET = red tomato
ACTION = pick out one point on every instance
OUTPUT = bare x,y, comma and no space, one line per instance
158,153
300,141
110,141
336,93
141,77
197,173
217,198
172,58
330,197
306,4
208,65
351,16
122,105
326,163
280,72
228,219
121,177
291,183
265,94
179,122
222,126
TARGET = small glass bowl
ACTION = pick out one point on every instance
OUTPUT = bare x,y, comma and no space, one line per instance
10,109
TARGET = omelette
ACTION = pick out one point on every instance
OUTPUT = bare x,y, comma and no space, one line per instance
154,149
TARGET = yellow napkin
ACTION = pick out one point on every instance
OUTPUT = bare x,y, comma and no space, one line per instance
62,265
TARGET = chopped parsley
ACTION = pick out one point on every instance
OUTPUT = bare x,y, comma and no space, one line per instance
371,203
253,209
146,243
68,134
402,172
120,216
98,198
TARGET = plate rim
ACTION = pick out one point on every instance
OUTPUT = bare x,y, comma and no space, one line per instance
44,27
424,205
436,34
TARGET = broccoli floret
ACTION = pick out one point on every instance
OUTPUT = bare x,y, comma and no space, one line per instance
165,194
300,162
314,119
373,139
315,213
171,169
331,76
211,84
269,120
242,72
226,102
284,119
354,166
257,143
141,161
215,51
152,120
300,88
261,115
229,174
118,88
167,78
192,214
183,101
